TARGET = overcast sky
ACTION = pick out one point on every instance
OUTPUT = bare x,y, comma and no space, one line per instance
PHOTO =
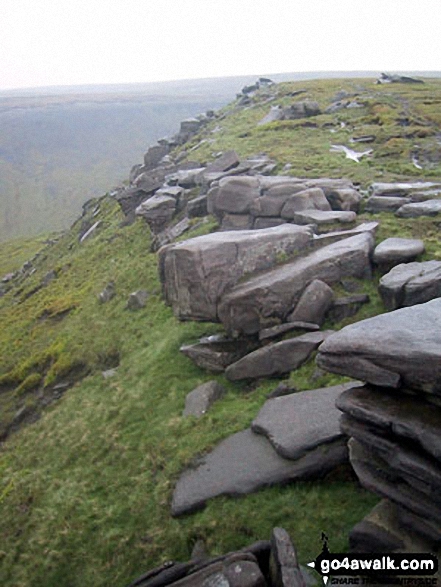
60,42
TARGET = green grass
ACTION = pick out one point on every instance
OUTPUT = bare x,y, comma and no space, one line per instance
85,491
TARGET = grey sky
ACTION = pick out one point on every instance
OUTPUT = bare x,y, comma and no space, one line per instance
60,42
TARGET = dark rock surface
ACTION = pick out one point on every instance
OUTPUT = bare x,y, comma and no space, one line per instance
267,299
199,401
305,200
398,348
298,423
277,358
157,211
313,304
411,283
245,462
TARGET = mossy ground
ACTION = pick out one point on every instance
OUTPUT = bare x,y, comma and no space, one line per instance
85,490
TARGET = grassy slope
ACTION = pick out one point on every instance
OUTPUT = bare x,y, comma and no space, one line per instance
85,491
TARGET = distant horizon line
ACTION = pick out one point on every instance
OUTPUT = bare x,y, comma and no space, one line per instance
299,75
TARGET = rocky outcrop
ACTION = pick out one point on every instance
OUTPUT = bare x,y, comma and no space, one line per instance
277,358
268,299
394,433
255,201
411,283
196,273
397,349
216,353
199,401
265,563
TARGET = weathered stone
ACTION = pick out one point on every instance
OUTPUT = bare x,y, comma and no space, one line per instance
277,358
202,398
154,155
314,302
298,423
276,113
397,348
303,109
310,199
427,208
186,178
267,299
321,217
196,273
346,307
197,207
284,566
403,189
394,251
344,199
374,474
407,418
332,237
108,293
235,194
411,463
170,233
215,355
137,299
157,211
376,204
245,462
292,326
386,78
225,162
411,283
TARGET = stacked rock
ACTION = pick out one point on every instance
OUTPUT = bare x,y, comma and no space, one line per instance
394,423
267,563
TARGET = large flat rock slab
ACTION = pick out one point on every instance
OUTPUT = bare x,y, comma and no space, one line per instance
299,422
400,348
246,462
197,272
267,299
277,358
408,284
